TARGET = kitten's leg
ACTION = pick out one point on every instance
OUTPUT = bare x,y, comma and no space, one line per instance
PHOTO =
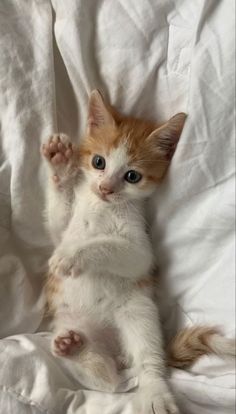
63,171
98,368
142,339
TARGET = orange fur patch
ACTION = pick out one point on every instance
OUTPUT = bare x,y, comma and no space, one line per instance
149,281
52,288
132,132
190,344
142,148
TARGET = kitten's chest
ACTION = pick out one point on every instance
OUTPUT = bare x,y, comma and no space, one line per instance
96,218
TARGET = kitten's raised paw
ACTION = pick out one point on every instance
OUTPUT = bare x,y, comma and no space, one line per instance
67,343
58,149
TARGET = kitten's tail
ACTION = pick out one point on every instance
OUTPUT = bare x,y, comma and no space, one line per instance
191,343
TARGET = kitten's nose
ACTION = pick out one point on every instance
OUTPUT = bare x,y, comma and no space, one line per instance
106,189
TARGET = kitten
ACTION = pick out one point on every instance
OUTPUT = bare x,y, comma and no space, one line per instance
98,285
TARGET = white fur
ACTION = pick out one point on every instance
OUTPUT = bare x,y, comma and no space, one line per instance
117,161
103,252
222,346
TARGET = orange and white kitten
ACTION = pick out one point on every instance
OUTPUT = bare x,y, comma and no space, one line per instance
98,286
104,310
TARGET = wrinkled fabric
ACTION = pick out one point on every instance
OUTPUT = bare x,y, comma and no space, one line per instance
151,58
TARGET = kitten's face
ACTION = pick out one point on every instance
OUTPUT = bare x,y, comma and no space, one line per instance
114,177
125,159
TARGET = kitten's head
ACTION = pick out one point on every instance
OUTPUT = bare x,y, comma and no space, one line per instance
125,158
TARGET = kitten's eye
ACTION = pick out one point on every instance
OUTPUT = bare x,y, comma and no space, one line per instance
133,177
98,162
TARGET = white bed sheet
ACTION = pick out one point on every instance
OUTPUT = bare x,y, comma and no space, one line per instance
151,58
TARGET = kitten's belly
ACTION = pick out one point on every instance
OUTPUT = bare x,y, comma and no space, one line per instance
84,293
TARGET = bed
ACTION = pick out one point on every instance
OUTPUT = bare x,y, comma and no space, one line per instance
151,58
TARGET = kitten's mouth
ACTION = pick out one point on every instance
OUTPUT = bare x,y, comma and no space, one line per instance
108,198
102,197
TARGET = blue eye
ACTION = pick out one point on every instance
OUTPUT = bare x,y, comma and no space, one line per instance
133,177
98,162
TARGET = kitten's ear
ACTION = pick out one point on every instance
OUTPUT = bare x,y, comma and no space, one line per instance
166,137
98,114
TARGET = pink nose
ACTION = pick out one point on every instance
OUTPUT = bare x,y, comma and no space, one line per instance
105,190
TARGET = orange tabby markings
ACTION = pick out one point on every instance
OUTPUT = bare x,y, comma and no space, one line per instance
191,343
149,147
52,288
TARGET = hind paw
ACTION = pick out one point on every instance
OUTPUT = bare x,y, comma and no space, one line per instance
66,343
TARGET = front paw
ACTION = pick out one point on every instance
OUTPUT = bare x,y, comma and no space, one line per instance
155,399
62,156
58,149
63,266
